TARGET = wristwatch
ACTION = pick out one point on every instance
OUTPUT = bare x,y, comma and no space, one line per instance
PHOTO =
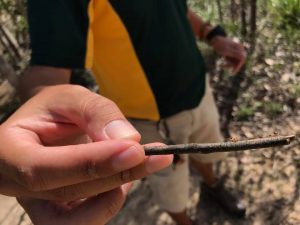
216,31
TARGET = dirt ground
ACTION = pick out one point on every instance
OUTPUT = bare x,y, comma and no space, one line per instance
269,180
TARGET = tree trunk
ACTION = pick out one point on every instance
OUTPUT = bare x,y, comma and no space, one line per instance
243,18
220,12
233,11
253,27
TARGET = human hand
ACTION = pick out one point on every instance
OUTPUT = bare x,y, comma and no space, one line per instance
97,210
32,164
233,52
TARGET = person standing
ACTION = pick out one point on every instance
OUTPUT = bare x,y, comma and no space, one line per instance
144,57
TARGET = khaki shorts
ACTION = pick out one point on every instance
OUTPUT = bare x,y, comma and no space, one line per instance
171,185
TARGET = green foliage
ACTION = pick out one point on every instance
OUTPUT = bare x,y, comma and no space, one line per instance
232,28
206,8
246,111
6,5
21,22
11,6
210,11
286,15
296,90
273,109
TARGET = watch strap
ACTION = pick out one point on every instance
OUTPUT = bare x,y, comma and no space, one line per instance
216,31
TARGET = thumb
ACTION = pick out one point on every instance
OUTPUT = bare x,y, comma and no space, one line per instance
102,119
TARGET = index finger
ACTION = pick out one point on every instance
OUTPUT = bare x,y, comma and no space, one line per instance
47,168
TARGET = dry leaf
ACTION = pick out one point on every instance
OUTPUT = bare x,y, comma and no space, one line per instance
247,132
270,62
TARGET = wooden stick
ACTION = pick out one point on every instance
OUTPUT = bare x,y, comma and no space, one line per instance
207,148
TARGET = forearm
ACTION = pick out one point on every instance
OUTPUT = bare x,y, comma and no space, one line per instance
199,26
38,77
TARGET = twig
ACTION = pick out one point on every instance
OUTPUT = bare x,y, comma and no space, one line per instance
219,147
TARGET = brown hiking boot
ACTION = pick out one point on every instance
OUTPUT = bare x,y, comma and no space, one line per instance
227,200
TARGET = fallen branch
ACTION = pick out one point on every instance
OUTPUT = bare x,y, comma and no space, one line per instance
12,44
207,148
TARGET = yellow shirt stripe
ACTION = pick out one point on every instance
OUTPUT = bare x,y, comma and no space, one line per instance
112,58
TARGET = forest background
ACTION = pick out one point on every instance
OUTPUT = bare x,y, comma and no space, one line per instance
261,100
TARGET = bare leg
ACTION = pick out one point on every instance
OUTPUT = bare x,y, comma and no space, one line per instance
181,218
206,171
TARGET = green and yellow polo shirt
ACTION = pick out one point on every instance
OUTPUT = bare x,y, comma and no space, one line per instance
142,53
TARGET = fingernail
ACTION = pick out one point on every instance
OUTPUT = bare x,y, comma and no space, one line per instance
127,159
120,129
126,187
158,162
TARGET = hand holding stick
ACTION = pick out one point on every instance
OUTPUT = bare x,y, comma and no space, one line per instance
207,148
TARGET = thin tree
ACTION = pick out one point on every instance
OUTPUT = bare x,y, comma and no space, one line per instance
243,12
220,11
253,26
